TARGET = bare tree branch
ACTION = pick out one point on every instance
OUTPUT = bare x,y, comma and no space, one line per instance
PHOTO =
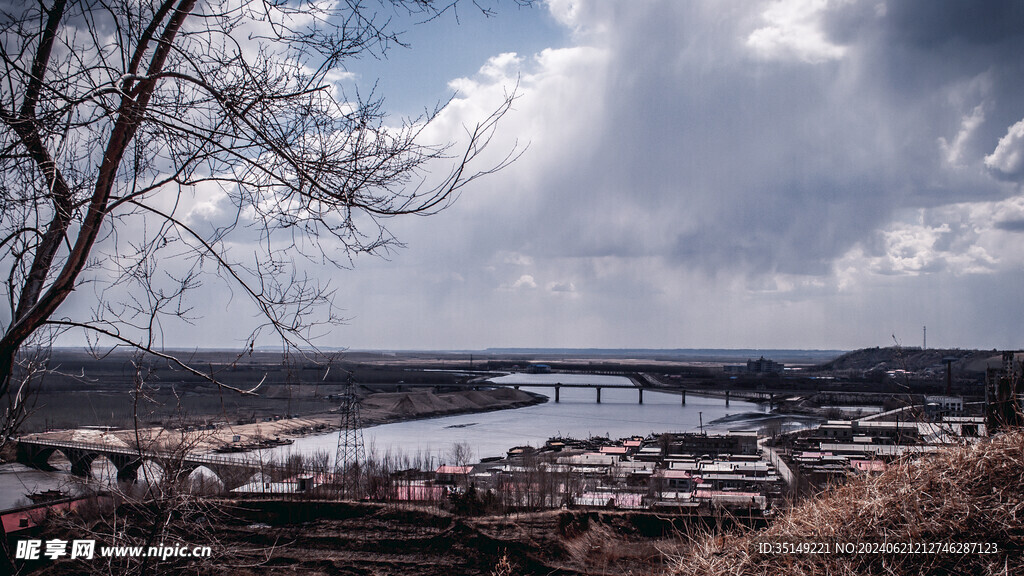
115,114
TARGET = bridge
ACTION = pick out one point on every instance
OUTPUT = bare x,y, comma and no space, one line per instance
637,383
484,381
232,472
478,383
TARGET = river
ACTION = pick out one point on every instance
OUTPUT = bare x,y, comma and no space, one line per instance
577,415
489,434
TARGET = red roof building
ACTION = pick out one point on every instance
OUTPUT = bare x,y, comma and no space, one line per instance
28,517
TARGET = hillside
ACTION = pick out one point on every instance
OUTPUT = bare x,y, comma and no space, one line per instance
910,359
964,495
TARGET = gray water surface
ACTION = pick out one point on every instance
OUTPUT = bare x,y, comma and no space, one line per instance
577,415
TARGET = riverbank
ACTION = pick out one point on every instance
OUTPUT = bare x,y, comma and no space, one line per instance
375,409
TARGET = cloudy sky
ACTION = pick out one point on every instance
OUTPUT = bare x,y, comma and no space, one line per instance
780,174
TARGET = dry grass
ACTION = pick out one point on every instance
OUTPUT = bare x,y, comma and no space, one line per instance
602,550
962,495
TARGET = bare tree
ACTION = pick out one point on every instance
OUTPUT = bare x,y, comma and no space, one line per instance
460,453
119,119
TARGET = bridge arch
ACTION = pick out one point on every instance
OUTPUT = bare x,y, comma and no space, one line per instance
138,470
52,459
102,468
204,480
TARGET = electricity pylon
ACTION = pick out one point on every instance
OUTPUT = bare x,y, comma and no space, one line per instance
351,454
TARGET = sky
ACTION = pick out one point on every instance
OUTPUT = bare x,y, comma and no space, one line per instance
808,174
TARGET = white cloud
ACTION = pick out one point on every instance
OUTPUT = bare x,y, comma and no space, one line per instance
579,16
204,203
502,66
969,124
1008,157
955,240
793,31
566,287
524,281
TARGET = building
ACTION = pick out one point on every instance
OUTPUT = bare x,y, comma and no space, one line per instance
732,442
675,480
966,426
944,405
760,366
764,366
31,516
452,474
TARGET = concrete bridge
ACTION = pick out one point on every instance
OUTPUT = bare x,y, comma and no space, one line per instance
636,384
484,381
639,381
232,472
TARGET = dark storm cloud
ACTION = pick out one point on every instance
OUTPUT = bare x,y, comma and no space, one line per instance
931,23
1011,225
780,165
927,55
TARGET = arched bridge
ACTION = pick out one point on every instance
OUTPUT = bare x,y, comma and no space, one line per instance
35,452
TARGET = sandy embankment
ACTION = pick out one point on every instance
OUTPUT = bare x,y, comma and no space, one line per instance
375,409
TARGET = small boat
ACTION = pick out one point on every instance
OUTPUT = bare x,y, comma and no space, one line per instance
270,443
46,495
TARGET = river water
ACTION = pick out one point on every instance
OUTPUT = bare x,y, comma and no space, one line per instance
489,434
577,415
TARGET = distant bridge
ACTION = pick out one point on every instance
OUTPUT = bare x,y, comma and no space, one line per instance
483,382
232,472
638,382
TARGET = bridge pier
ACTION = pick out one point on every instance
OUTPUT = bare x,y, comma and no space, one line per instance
598,395
81,463
128,474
